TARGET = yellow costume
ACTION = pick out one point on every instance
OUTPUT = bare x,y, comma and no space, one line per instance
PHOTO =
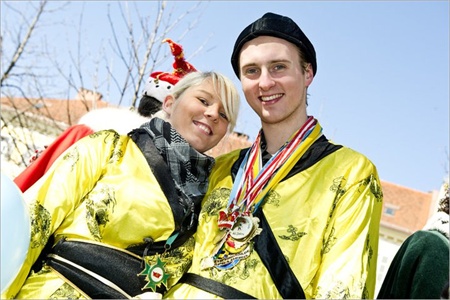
324,216
103,192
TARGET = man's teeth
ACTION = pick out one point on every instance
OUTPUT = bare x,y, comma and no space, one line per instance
269,98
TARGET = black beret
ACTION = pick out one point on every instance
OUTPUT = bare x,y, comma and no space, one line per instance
277,26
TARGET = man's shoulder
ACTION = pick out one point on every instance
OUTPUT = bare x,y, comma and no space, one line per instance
351,154
230,156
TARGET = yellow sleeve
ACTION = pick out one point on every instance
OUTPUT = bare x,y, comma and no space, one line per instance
56,195
349,253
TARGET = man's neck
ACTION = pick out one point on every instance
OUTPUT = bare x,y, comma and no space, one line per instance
278,134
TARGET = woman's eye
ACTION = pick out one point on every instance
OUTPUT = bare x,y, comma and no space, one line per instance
203,101
223,115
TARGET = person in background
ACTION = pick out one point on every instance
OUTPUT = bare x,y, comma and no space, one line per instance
295,215
420,268
157,87
119,210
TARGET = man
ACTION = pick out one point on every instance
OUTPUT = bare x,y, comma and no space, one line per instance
294,216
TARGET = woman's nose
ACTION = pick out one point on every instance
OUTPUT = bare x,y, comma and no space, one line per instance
212,112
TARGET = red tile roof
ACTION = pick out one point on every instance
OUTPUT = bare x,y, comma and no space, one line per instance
68,112
410,208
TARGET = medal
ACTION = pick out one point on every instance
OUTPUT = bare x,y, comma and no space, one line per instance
155,274
242,228
252,183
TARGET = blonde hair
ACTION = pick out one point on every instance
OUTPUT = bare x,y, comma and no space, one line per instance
223,86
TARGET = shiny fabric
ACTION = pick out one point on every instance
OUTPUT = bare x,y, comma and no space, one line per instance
101,189
325,219
41,165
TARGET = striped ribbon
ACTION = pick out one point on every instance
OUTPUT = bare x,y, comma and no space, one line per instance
253,181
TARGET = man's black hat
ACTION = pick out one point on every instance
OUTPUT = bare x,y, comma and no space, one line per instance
277,26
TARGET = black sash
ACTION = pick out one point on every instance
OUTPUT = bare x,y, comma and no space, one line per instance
101,272
272,257
162,173
214,287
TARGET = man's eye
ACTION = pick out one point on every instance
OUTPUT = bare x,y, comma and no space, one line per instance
279,67
251,71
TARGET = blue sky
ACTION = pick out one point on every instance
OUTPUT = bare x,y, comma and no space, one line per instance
382,83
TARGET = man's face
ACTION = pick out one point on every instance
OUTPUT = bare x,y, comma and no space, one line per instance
273,81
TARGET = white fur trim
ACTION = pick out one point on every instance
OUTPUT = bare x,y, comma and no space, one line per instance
440,222
158,91
119,119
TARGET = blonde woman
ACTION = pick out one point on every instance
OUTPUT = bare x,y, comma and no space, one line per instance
119,210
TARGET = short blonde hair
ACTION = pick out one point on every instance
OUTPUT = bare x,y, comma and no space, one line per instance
224,87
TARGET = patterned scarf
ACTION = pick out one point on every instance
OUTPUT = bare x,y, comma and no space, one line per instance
189,168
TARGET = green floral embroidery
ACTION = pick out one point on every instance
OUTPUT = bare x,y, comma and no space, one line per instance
329,242
375,187
241,271
365,292
72,157
99,204
117,152
216,201
179,259
337,187
369,249
293,234
341,291
66,292
272,198
40,225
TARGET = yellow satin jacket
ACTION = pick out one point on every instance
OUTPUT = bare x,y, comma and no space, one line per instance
109,197
325,220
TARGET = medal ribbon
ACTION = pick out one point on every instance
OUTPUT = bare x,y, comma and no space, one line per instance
248,190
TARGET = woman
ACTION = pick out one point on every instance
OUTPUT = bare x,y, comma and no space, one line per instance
121,209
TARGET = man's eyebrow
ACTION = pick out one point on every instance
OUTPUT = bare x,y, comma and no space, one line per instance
270,62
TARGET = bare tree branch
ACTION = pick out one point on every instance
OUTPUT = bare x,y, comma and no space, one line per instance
24,42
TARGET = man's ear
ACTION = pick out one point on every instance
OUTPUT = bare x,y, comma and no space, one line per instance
309,76
167,104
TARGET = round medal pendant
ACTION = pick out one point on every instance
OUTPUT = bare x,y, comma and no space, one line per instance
242,228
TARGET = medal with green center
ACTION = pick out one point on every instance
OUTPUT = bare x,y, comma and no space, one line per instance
155,274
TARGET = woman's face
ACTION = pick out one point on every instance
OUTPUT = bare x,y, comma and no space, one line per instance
198,115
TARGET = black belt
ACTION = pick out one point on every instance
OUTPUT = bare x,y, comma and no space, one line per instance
101,272
214,287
